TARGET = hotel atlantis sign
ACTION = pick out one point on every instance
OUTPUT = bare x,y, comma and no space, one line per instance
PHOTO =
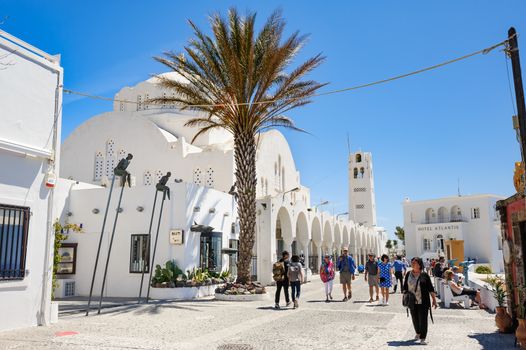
439,228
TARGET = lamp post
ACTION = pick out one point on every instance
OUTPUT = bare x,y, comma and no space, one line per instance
319,205
295,189
341,214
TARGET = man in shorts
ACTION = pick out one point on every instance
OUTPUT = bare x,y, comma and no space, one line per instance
371,276
347,267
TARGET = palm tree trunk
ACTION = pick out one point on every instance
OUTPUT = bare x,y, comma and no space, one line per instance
245,157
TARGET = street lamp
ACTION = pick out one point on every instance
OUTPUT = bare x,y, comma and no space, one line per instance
318,205
341,214
295,189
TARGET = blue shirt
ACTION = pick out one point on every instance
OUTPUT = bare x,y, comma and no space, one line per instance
349,262
398,266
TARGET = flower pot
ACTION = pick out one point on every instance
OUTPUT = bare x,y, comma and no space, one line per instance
520,333
503,320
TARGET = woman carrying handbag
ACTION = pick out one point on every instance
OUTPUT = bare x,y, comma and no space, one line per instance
418,292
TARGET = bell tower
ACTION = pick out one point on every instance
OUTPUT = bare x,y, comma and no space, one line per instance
362,204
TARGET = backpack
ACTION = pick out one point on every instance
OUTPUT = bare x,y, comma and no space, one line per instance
294,272
278,271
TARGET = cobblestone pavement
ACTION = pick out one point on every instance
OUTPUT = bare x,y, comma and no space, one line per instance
210,324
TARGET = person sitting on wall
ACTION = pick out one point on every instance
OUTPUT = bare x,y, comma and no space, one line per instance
161,185
120,170
473,294
438,270
457,276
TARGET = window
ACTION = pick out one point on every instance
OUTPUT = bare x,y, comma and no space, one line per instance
359,189
68,259
440,242
210,177
427,244
358,158
99,166
148,181
14,224
198,177
362,171
475,213
139,254
360,206
355,171
210,249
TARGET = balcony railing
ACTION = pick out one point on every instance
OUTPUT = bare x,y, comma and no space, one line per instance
444,221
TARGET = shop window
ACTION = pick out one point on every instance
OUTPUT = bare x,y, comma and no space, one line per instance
210,251
68,259
14,225
139,254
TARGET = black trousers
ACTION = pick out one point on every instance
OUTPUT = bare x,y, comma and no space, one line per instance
285,286
399,275
419,316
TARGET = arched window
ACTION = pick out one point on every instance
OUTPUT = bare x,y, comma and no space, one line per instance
362,171
443,215
355,171
456,213
358,158
430,215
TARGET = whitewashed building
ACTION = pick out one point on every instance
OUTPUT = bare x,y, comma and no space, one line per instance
159,140
30,100
473,219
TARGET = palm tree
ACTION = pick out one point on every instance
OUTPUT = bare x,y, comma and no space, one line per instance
242,82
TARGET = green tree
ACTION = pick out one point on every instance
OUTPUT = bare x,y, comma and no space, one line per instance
389,244
395,243
241,81
400,233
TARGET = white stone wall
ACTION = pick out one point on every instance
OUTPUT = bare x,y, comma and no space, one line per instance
178,213
27,104
481,235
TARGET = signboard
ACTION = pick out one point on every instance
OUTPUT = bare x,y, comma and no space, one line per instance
176,237
440,228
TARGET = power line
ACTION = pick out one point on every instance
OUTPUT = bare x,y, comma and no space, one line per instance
383,81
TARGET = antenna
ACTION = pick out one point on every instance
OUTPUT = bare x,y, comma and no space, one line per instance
348,144
458,187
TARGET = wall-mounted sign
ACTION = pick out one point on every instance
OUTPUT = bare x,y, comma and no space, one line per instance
177,237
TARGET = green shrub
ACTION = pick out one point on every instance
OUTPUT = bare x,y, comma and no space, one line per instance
483,269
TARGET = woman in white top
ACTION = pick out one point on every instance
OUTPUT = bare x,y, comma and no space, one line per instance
474,294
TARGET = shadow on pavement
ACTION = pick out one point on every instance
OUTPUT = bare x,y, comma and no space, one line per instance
397,343
494,340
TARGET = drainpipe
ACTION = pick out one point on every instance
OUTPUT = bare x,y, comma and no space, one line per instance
45,301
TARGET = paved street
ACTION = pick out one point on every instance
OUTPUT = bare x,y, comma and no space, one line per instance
209,324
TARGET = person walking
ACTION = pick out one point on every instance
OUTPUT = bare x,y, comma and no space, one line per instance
371,276
399,272
327,276
347,267
295,276
418,282
384,272
280,271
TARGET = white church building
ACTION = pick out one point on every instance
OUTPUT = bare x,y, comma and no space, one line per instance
472,219
157,137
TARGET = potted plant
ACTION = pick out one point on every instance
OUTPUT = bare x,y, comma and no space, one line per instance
520,332
502,318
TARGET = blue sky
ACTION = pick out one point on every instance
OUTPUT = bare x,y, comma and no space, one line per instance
425,132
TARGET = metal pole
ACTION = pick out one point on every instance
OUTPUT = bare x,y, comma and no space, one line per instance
155,248
149,246
111,244
100,243
519,91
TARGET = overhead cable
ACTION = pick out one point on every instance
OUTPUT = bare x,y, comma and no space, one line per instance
383,81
